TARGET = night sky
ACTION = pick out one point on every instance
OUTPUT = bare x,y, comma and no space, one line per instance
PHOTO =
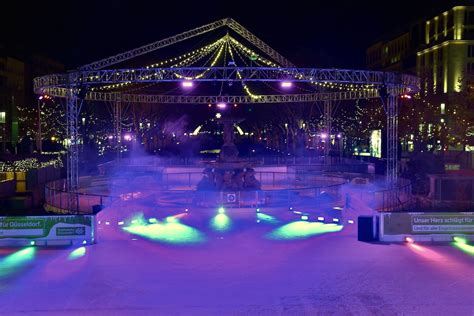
309,33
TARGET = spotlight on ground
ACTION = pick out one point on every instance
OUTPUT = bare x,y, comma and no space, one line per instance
459,240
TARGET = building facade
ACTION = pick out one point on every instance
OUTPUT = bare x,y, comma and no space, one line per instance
440,50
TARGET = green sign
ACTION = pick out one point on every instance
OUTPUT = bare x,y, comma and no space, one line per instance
70,231
45,226
428,223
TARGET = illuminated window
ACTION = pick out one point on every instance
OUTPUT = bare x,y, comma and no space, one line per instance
443,108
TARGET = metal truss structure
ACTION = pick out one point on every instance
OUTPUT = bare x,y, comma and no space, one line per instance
405,83
232,24
92,83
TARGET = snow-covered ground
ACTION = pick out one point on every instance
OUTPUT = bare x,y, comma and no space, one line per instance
237,263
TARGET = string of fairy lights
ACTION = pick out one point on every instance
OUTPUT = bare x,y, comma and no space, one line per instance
217,50
28,164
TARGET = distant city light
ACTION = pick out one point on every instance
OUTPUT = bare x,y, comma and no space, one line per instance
339,135
187,84
286,84
221,105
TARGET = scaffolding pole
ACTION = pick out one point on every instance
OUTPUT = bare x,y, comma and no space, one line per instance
392,139
327,129
117,112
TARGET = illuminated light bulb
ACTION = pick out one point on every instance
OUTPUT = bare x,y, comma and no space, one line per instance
320,218
187,84
286,84
409,240
221,105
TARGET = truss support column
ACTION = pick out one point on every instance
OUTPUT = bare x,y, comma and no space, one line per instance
117,109
392,139
326,136
72,114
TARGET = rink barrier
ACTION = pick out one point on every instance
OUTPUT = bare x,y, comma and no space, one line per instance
426,226
57,230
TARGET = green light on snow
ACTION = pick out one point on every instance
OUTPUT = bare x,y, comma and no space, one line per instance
170,232
220,222
302,230
262,217
14,262
462,244
77,253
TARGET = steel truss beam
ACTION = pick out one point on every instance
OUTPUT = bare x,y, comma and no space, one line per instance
186,99
227,74
327,129
392,139
239,29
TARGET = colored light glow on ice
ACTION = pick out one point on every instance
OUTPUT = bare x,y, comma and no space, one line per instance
77,253
220,222
16,261
462,244
302,230
262,217
170,232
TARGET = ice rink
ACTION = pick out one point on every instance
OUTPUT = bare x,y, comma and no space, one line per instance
235,263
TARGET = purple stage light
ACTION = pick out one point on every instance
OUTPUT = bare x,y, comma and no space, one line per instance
221,105
286,84
187,84
324,135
